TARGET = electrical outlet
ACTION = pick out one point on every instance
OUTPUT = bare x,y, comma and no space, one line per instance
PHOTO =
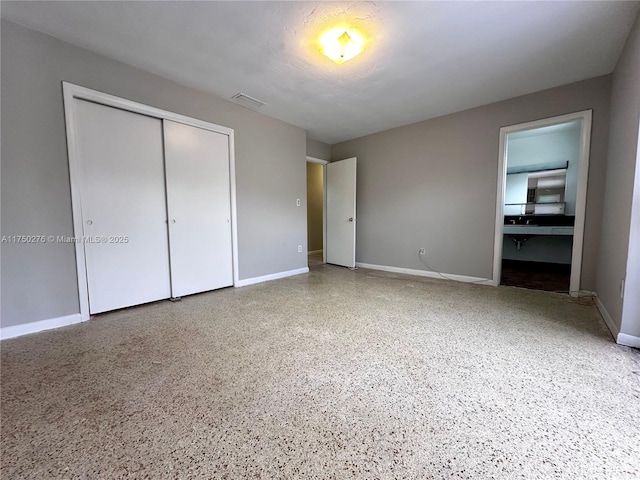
299,248
622,288
422,251
298,203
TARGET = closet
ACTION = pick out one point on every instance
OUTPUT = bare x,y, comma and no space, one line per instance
198,200
155,203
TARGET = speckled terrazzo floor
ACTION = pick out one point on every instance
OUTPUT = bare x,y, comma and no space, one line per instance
333,374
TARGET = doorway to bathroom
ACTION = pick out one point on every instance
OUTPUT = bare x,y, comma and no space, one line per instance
541,203
316,178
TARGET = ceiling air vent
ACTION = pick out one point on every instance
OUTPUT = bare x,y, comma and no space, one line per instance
247,101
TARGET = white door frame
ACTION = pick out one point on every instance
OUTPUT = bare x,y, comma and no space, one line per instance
72,92
581,194
324,164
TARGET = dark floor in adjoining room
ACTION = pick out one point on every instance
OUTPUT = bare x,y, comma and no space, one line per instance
551,277
315,259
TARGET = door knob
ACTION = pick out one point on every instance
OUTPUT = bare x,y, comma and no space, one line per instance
89,222
173,220
351,219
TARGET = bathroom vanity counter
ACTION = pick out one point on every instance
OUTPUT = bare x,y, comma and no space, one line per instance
537,230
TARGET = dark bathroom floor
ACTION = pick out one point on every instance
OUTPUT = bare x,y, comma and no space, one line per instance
550,277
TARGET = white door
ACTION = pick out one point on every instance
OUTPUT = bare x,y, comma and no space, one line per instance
341,213
199,206
123,206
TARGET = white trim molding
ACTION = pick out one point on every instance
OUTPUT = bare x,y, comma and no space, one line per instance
317,160
607,318
619,337
628,340
76,91
234,207
52,323
272,276
581,194
324,214
39,326
426,273
71,92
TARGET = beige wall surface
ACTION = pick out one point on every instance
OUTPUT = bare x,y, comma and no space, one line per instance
315,174
318,149
433,184
621,166
39,282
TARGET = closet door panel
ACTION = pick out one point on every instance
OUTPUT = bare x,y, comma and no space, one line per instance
123,206
199,207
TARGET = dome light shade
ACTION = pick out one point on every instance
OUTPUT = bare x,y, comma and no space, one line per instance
340,44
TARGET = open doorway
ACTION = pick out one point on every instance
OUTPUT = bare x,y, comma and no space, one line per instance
315,211
541,203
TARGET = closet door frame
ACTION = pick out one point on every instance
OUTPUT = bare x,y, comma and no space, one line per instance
73,92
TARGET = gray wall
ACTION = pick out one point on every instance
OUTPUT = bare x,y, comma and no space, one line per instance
551,249
433,184
315,199
621,165
318,149
39,281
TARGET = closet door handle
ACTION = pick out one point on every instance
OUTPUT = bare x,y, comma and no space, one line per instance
173,220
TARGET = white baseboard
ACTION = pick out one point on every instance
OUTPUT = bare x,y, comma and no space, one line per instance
620,338
273,276
314,252
628,340
39,326
607,318
426,273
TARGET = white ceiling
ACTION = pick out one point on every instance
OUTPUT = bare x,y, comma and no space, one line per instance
422,59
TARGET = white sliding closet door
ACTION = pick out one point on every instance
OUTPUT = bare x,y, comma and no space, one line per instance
199,206
123,206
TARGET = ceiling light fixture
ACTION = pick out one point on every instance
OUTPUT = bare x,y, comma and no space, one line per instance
341,44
